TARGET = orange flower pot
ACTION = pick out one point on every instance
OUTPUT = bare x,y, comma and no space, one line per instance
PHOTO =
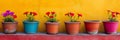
92,26
9,27
72,27
52,27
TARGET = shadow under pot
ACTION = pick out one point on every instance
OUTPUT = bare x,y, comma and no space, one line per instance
92,26
31,27
72,28
110,27
9,27
52,27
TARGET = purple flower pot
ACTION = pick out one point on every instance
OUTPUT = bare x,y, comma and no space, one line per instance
110,27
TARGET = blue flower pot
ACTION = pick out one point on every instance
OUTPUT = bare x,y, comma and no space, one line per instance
30,27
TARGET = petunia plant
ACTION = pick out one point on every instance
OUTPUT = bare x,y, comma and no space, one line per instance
73,17
113,15
9,16
30,16
51,16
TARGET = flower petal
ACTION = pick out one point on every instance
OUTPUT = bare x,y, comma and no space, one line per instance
79,15
5,14
51,17
25,13
14,16
8,11
11,13
71,14
53,13
47,13
34,13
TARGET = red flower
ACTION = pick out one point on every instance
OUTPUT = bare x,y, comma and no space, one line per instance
71,14
48,13
31,13
113,16
67,14
14,16
51,17
34,13
113,13
79,15
117,13
53,13
25,13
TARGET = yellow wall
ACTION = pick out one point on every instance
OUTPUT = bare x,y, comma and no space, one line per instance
91,10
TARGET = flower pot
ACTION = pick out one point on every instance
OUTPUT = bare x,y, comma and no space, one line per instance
9,27
92,26
72,28
52,27
30,27
110,27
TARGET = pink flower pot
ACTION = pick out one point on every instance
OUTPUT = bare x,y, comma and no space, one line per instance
110,27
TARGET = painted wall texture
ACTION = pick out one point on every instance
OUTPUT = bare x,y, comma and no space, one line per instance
91,10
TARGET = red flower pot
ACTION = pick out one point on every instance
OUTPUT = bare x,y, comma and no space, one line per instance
92,26
9,27
72,27
52,27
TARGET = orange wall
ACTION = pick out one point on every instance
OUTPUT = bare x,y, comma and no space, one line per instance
91,10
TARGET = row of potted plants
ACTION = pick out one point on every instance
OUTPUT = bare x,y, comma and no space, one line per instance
72,26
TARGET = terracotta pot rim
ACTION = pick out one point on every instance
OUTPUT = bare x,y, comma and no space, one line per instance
71,22
10,22
92,21
52,23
